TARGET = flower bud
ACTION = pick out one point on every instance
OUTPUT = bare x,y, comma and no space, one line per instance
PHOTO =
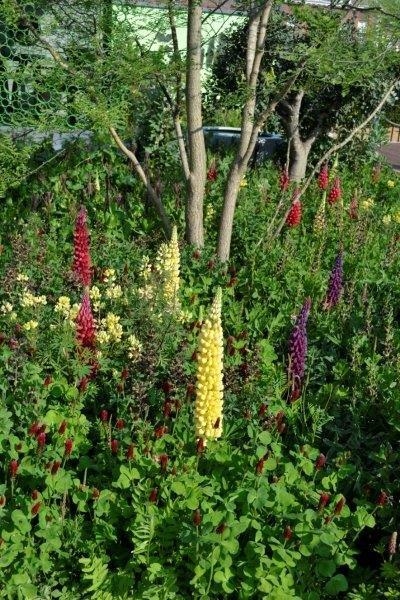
41,440
221,528
260,466
163,460
382,499
287,533
153,495
160,431
35,508
68,445
200,447
323,500
320,462
55,467
130,452
104,416
63,427
262,409
339,506
335,193
197,517
13,468
284,180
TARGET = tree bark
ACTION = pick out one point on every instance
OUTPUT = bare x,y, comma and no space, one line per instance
249,128
196,146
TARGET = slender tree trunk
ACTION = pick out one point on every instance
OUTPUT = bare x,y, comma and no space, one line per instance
299,151
249,127
196,147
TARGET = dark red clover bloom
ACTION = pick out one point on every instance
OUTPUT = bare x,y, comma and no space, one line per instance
323,500
55,467
63,427
130,452
13,468
68,445
339,506
41,439
287,533
104,416
382,499
114,445
153,495
197,517
35,508
320,462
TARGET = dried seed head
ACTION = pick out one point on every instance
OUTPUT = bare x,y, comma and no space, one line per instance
392,545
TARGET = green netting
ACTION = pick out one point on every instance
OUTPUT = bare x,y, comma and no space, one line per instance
113,48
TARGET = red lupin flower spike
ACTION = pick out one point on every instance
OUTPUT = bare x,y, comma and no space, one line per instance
294,216
82,263
335,193
323,177
284,180
85,328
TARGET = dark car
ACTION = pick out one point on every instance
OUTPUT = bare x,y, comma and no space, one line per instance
224,138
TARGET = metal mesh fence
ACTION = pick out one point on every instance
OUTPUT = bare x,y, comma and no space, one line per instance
36,37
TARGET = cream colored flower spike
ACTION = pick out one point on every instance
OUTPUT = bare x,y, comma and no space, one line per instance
209,385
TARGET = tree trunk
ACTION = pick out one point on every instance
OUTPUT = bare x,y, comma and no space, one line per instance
299,152
196,147
249,127
226,224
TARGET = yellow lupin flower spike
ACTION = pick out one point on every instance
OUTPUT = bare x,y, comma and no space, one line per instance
168,267
209,384
319,219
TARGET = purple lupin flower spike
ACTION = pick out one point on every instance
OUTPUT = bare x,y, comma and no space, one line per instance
335,283
298,344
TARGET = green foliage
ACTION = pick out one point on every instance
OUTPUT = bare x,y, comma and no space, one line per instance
135,510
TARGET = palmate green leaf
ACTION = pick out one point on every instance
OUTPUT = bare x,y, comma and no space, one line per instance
337,584
21,521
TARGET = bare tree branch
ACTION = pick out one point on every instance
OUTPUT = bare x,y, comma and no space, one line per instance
155,199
